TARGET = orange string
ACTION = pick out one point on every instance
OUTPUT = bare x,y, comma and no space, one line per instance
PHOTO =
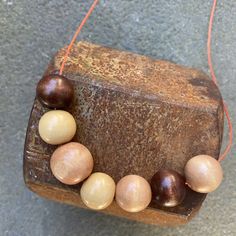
76,35
230,132
213,76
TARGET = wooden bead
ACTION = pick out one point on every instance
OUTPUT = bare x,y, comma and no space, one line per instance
71,163
133,193
98,191
168,188
203,173
55,91
57,127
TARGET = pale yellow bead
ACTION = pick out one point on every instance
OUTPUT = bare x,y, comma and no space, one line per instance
57,127
98,191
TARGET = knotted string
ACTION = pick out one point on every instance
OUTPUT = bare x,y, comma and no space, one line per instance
230,129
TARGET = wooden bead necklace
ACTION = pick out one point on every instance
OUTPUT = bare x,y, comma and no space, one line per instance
71,163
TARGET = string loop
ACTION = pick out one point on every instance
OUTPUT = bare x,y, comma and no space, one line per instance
213,76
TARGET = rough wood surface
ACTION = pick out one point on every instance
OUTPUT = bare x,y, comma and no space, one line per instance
136,115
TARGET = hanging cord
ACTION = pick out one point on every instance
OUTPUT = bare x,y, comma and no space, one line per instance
213,76
230,129
76,35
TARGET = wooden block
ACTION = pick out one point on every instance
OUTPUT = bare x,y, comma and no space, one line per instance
136,115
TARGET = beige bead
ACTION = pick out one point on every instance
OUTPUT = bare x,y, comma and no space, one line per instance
133,193
203,173
71,163
98,191
57,127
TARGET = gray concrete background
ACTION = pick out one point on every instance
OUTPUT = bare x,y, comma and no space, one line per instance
32,31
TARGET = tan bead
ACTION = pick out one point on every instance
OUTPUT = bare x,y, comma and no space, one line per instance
98,191
57,127
71,163
133,193
203,173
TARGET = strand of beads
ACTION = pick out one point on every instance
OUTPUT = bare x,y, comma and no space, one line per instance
71,163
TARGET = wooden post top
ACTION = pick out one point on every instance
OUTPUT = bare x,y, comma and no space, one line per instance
136,115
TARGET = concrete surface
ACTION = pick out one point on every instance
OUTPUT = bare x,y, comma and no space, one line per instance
32,31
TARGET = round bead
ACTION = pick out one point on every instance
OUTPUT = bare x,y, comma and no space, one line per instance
133,193
168,188
71,163
203,173
55,91
57,127
98,191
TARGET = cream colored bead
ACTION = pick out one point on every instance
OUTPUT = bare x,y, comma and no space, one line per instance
98,191
203,173
133,193
71,163
57,127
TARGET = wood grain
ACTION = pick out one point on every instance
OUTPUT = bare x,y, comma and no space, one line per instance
136,115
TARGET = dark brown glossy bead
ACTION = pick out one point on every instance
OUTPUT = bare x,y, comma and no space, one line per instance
55,91
168,188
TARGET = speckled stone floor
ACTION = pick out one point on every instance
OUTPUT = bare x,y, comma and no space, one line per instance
32,31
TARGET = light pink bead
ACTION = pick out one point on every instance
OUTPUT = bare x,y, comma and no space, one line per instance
133,193
71,163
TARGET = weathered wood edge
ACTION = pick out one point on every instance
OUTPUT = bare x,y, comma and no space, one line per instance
149,216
